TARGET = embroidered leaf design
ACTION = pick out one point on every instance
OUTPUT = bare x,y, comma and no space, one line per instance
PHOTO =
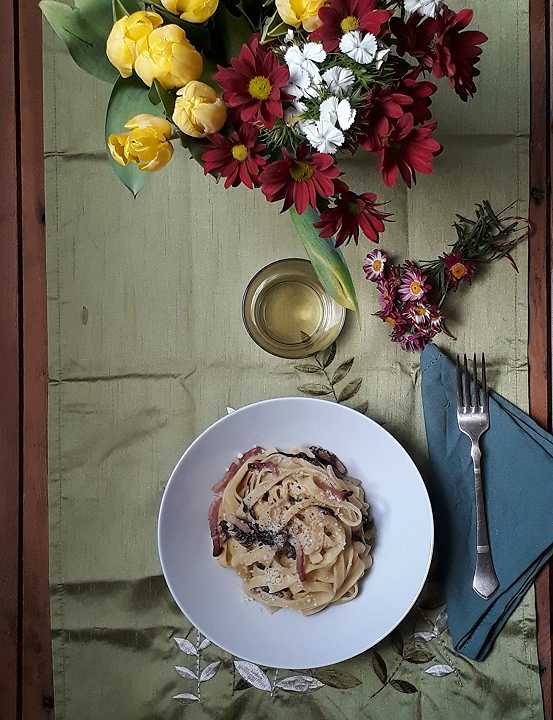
419,656
379,667
186,673
362,407
338,679
299,683
204,644
253,674
186,646
439,670
209,671
424,636
311,369
326,357
403,686
350,390
316,390
342,370
441,622
186,697
397,641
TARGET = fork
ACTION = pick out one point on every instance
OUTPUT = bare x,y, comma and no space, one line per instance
473,416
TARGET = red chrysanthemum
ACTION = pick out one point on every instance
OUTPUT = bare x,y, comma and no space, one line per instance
458,270
237,157
375,120
457,52
415,38
342,16
254,83
395,320
300,180
408,150
352,212
421,93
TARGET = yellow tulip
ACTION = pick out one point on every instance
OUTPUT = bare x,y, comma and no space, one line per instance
194,11
146,145
300,12
124,35
168,56
199,111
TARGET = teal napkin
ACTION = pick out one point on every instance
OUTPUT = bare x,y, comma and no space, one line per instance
518,484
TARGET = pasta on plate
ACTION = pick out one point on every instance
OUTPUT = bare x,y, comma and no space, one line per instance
293,526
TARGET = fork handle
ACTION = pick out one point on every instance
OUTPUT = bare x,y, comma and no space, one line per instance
485,581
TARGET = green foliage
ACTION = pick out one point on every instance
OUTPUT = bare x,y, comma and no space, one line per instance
84,29
328,263
129,97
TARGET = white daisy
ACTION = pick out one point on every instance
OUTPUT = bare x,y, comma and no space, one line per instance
323,135
300,80
306,58
339,80
337,111
360,48
425,7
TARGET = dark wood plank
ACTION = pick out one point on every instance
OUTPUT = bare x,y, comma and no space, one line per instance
36,657
539,343
9,355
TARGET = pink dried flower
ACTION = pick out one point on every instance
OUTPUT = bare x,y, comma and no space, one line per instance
458,270
414,283
419,313
375,265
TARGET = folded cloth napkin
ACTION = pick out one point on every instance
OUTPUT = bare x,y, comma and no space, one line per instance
517,469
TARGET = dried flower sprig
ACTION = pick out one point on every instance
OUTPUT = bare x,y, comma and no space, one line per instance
411,295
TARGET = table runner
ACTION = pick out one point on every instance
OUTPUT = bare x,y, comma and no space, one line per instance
147,348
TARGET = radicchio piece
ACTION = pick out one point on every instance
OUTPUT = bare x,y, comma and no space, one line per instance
213,517
234,467
327,458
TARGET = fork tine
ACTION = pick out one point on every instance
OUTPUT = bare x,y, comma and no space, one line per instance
476,390
484,383
460,399
466,383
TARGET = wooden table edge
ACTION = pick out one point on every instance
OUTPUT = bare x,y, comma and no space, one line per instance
25,655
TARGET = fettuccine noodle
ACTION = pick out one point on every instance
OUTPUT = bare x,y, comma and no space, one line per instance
293,526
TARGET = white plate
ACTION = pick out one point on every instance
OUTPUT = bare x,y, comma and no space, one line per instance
211,596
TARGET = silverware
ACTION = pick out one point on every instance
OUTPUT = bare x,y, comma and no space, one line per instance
473,416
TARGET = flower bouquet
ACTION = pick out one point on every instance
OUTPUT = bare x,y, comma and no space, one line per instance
264,93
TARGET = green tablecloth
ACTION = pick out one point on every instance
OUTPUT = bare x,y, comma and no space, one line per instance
147,348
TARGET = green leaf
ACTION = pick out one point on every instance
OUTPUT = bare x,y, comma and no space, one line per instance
194,146
417,655
362,407
198,33
231,33
273,27
119,10
342,370
153,95
379,667
327,262
326,356
403,686
129,97
167,98
350,390
315,390
338,679
308,368
84,29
